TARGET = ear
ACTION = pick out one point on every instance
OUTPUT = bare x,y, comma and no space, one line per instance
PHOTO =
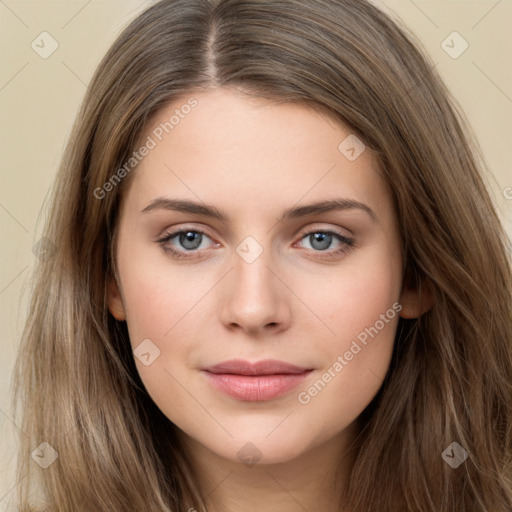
416,299
115,301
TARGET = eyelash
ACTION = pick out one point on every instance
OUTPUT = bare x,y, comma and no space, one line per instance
348,243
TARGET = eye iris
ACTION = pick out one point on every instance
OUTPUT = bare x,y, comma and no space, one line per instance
324,238
190,236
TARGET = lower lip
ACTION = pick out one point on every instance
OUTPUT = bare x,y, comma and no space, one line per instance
255,388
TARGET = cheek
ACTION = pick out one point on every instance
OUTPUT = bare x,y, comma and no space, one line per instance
362,308
352,297
162,306
158,294
165,309
353,372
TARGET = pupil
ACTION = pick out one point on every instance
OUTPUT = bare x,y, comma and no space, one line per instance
191,237
322,237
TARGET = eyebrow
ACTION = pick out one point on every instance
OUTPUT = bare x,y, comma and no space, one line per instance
185,206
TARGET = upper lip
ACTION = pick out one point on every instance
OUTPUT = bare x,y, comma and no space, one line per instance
265,367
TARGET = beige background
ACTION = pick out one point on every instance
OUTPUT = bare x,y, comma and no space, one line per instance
39,98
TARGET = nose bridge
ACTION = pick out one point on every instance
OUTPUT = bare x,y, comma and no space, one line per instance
255,298
253,279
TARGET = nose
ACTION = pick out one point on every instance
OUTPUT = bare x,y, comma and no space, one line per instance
256,300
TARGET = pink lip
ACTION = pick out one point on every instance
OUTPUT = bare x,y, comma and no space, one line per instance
253,382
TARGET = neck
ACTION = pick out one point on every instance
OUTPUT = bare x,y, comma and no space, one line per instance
313,480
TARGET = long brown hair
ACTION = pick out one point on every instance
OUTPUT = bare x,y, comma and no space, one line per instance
450,378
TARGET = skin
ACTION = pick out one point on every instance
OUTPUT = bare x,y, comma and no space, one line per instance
253,159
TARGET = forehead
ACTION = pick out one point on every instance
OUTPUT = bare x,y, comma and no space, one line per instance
245,151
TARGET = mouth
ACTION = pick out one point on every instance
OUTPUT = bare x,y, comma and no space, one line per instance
255,382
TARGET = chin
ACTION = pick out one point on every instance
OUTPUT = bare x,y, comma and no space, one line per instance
256,449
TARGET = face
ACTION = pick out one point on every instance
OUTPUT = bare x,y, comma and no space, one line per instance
222,257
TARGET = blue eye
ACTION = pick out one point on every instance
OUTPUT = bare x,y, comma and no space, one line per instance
322,240
191,240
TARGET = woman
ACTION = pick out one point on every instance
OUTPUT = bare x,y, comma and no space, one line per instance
256,368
